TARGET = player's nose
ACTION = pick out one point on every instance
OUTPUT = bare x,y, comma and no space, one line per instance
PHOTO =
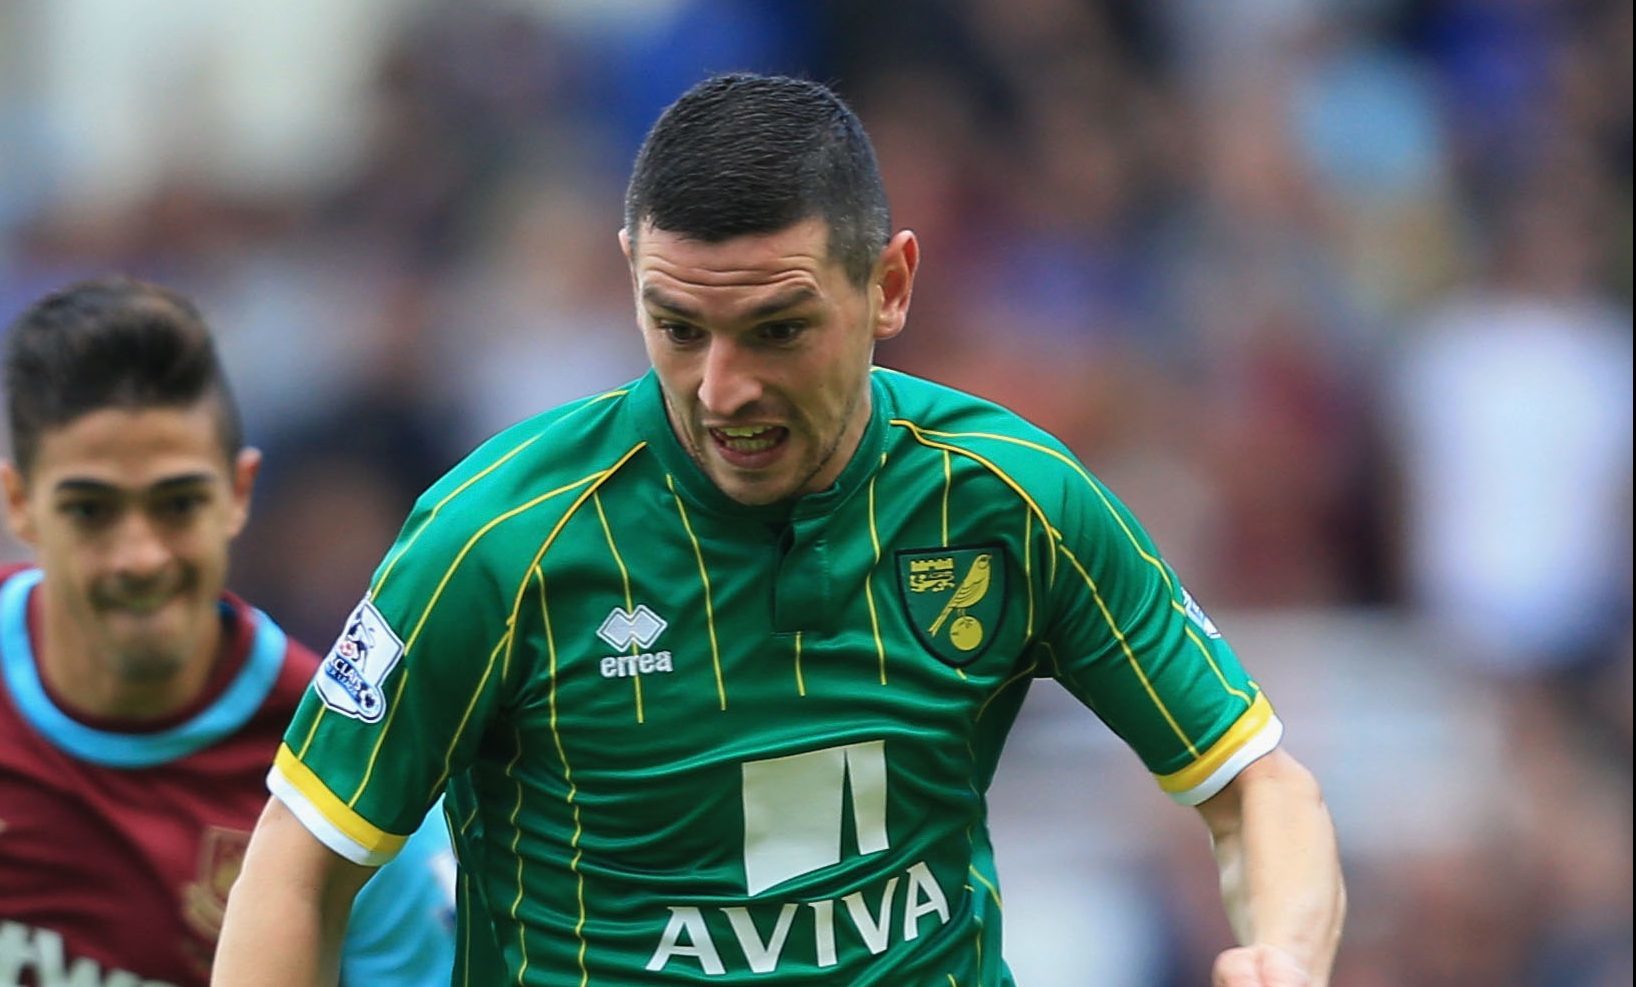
730,382
139,551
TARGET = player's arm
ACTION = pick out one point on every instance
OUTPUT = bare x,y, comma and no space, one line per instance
287,912
1133,645
1280,876
402,928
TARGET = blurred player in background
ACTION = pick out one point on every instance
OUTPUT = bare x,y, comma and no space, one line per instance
717,666
140,703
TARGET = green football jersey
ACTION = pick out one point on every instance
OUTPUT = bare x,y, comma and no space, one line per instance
687,741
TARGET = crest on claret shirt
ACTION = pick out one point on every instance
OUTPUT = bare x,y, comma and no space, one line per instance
204,901
953,598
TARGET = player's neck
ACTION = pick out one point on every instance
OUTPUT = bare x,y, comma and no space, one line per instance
90,683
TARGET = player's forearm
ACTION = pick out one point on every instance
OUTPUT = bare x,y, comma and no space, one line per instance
274,938
1280,868
287,912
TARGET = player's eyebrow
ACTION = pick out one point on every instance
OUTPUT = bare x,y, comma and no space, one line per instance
656,298
778,303
182,480
100,488
799,295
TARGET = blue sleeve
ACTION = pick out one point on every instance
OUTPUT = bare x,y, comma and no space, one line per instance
401,933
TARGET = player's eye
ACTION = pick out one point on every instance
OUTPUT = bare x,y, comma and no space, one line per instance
87,513
180,506
679,333
782,332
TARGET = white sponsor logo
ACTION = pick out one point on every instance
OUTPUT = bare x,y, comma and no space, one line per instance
625,627
874,916
792,826
350,678
792,810
629,630
40,953
1196,614
624,666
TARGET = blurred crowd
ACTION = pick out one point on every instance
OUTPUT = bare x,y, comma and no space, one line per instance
1335,293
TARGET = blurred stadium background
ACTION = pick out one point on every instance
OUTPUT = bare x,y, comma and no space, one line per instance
1335,293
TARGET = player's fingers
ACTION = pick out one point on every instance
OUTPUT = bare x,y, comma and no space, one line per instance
1279,969
1258,966
1236,967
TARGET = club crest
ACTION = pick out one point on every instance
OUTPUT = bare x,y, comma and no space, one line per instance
204,902
954,598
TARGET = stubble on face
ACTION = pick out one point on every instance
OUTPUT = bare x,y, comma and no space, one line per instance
689,431
808,391
147,628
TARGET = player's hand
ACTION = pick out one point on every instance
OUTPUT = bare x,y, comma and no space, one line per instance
1258,966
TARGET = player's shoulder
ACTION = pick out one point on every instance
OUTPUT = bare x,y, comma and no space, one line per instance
8,573
931,406
554,441
559,446
929,415
521,475
300,662
267,652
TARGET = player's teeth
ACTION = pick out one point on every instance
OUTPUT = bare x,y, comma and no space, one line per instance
743,433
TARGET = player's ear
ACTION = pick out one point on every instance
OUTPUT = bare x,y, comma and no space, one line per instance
892,283
628,247
18,517
246,466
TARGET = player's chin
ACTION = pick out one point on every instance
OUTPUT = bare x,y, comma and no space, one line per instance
756,495
755,489
150,658
152,644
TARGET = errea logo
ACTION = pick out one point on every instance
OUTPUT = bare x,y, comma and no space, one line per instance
629,630
622,627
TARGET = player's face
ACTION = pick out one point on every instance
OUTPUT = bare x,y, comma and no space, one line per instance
130,513
763,346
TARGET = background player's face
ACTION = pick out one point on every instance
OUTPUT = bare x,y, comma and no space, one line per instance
762,346
130,513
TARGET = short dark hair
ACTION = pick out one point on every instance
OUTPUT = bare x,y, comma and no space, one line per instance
750,154
110,343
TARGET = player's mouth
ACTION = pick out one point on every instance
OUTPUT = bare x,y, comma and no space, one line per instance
141,606
144,602
750,446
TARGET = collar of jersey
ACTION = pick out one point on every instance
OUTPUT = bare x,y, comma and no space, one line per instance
648,404
237,703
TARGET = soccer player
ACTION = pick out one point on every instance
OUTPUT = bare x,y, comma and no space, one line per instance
140,704
717,665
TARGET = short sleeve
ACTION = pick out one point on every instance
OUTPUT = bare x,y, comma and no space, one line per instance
402,698
1130,642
